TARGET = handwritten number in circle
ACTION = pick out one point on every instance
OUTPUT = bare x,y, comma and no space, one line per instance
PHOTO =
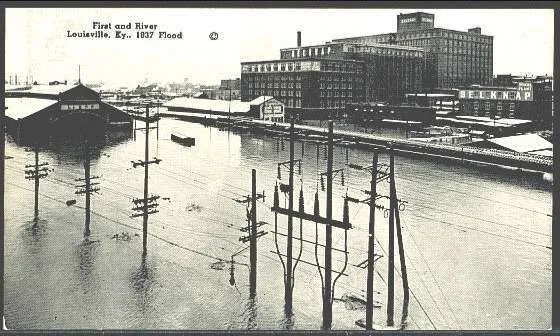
213,36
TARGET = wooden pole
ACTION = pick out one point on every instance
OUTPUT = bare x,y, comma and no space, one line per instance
253,233
88,186
289,270
391,270
406,294
327,303
371,243
36,213
145,215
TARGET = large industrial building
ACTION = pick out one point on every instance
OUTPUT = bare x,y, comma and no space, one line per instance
318,81
530,99
453,58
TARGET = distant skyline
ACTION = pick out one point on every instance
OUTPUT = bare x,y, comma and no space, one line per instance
37,42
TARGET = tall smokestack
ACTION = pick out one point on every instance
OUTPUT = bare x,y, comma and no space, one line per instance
299,39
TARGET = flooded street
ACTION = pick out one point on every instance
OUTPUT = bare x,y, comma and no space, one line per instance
477,241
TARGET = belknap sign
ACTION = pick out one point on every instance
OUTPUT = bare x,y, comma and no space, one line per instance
522,94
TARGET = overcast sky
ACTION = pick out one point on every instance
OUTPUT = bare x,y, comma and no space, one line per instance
37,42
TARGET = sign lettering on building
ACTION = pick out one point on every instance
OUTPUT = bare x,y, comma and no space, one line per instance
519,95
272,109
65,107
426,19
412,19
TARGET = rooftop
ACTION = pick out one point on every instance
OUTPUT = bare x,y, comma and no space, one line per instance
47,89
260,100
523,143
19,108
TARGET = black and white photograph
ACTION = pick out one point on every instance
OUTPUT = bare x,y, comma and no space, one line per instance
277,169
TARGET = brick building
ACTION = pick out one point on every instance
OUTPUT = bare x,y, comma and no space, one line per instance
311,87
318,81
528,99
229,89
453,58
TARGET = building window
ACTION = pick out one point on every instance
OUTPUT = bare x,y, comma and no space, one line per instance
487,106
511,107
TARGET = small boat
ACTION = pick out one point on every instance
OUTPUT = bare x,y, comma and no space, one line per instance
182,139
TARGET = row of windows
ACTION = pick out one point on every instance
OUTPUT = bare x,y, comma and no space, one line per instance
499,106
336,93
336,86
424,35
331,78
310,51
275,85
337,66
385,51
274,78
275,93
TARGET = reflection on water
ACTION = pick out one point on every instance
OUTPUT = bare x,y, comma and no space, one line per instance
87,251
471,239
250,313
143,281
287,323
34,230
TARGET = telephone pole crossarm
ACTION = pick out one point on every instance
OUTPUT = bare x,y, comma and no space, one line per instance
312,217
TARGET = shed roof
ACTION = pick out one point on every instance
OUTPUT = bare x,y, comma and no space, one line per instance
233,106
523,143
260,100
19,108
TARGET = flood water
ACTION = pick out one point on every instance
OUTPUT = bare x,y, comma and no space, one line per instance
477,241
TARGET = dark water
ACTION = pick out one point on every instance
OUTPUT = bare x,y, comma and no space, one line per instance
477,241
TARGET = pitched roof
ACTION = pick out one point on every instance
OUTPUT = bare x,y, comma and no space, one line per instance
260,100
19,108
523,143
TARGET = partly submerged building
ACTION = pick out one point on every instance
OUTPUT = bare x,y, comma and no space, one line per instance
44,110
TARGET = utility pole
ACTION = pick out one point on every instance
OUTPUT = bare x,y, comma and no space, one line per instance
289,276
317,218
391,266
87,188
148,205
39,171
371,243
327,298
253,249
380,172
251,229
400,242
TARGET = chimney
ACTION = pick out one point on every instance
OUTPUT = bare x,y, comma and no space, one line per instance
299,39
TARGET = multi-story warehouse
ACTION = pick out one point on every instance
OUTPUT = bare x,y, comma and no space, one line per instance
453,58
320,80
529,100
310,87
